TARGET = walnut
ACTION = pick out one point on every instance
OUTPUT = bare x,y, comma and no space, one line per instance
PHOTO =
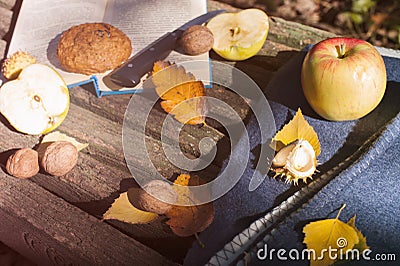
196,40
146,202
58,158
23,163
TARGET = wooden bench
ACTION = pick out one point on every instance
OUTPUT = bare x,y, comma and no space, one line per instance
58,220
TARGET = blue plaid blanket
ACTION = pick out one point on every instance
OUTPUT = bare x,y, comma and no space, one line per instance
361,157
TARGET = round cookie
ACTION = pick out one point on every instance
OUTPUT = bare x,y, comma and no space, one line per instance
93,48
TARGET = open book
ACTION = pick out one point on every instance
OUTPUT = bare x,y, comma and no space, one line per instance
41,22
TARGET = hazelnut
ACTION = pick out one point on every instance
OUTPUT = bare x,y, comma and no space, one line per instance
143,199
58,158
196,40
23,163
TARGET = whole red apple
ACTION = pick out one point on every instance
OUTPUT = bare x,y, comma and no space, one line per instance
343,78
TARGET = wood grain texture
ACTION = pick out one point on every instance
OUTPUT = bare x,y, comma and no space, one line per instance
5,23
9,257
47,229
8,4
114,109
3,46
5,20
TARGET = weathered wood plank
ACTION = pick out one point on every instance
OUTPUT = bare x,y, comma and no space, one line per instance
5,20
3,46
101,167
189,136
292,34
9,256
105,138
295,34
114,108
48,230
8,4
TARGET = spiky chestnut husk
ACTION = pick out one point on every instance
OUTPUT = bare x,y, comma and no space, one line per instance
13,65
296,161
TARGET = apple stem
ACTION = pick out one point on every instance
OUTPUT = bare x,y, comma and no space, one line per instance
341,49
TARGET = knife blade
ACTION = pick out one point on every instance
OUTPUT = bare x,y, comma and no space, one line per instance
130,73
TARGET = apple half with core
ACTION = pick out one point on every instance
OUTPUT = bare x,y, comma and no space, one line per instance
239,36
37,101
343,78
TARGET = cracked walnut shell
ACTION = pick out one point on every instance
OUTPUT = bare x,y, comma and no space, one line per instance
23,163
58,158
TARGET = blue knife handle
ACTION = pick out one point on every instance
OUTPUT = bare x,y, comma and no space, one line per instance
130,73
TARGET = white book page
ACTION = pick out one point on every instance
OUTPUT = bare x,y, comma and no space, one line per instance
144,21
41,22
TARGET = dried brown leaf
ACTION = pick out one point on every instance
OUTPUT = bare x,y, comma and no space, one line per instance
188,220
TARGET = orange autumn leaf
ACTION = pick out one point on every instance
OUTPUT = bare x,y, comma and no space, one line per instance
181,94
188,220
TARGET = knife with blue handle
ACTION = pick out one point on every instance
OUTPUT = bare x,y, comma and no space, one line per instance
130,73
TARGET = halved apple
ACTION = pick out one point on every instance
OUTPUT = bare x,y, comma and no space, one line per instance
239,36
37,101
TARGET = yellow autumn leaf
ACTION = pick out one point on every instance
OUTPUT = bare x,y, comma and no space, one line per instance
329,238
362,244
181,94
182,179
58,136
298,128
124,211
